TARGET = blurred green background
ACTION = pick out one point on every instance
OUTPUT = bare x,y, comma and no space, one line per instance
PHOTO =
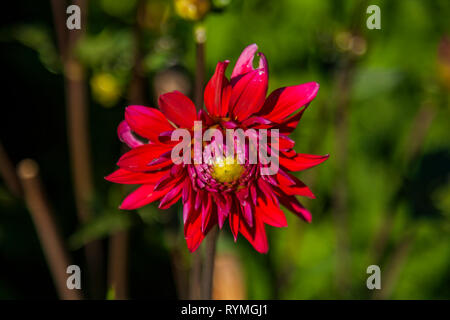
382,113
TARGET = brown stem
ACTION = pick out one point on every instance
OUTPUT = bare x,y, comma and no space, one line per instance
118,242
58,10
118,265
208,266
78,134
195,277
49,236
195,287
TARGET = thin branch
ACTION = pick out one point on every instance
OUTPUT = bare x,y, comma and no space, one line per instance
49,236
195,277
78,134
208,267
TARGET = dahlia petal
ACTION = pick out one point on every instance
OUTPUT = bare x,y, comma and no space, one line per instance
140,158
178,108
206,211
296,188
198,200
287,176
141,197
223,207
129,177
188,203
147,122
234,221
248,94
263,65
253,193
171,197
302,161
293,205
175,174
244,63
271,213
288,125
265,188
257,122
230,124
256,235
217,92
285,101
192,230
247,212
285,143
126,136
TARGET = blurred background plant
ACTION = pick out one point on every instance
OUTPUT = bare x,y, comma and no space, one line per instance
382,113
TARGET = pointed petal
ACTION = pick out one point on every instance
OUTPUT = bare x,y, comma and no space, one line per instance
139,158
141,197
178,108
296,188
192,230
302,161
248,94
271,213
206,211
285,101
234,221
292,204
129,177
171,196
218,91
256,235
147,122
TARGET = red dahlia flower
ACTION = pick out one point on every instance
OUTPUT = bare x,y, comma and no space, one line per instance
217,189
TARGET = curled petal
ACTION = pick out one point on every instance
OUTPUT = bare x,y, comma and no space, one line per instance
244,63
126,136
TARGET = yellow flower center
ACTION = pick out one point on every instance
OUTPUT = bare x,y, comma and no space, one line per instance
226,170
